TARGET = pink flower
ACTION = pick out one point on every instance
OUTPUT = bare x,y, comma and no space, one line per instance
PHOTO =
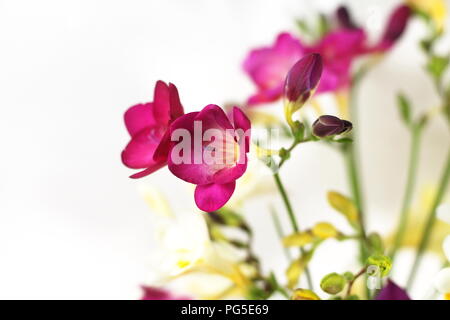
151,293
338,50
216,156
268,66
148,126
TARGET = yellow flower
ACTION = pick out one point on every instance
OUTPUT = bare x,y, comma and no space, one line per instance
435,9
417,219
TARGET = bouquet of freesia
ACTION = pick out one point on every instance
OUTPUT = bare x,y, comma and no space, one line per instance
228,154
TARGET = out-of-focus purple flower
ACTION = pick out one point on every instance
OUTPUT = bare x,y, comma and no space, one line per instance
152,293
326,126
395,28
392,291
344,18
268,66
338,50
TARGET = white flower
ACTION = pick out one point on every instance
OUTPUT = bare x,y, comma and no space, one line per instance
442,280
186,254
443,212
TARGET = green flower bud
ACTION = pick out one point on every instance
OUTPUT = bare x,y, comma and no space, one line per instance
384,263
376,243
333,283
348,276
352,297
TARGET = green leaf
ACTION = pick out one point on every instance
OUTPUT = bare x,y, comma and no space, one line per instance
404,107
303,26
324,25
437,65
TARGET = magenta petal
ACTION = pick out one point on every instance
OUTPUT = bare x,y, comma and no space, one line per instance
266,96
392,292
139,151
176,109
212,197
152,293
228,175
212,116
162,150
152,168
242,122
139,117
268,66
395,27
161,102
189,172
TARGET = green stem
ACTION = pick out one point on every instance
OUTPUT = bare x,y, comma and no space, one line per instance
280,233
409,189
292,219
353,167
430,222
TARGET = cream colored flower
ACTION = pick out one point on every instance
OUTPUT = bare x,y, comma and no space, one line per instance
442,280
186,254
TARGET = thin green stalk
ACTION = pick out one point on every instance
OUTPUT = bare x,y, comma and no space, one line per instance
409,189
292,219
430,222
280,232
353,167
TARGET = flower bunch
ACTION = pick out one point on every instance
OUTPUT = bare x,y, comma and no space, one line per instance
213,148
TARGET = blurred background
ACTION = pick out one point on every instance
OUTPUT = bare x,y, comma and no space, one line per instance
74,226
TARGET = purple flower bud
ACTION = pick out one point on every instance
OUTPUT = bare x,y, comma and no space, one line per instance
303,78
396,26
326,126
344,18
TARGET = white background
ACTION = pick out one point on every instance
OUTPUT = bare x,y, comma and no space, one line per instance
72,225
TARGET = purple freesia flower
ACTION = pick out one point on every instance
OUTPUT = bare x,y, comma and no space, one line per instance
148,124
218,160
152,293
392,291
268,66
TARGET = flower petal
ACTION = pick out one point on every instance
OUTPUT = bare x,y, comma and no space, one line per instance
176,109
139,151
392,291
161,102
446,247
443,212
213,117
152,293
211,197
241,121
268,66
442,281
152,168
196,173
139,117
